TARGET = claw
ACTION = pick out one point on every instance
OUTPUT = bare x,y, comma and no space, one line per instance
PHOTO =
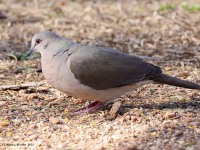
91,108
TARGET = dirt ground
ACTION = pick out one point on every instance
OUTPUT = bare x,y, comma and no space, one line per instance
155,117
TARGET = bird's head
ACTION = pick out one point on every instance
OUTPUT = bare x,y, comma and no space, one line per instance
42,40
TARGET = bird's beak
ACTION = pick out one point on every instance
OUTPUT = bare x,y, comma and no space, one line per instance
30,51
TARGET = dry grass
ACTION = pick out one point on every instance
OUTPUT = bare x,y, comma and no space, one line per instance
154,116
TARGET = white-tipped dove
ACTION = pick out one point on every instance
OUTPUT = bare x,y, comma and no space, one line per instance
95,73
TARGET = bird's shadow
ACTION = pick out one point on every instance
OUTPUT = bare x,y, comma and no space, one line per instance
170,105
192,104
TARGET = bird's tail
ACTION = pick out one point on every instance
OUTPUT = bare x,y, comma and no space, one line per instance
163,78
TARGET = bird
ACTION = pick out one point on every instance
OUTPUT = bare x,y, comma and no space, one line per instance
95,73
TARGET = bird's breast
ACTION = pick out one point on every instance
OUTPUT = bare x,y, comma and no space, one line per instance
57,72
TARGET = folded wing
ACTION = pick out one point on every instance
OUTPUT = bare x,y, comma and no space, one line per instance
102,68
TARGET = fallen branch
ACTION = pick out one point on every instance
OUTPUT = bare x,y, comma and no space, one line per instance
20,86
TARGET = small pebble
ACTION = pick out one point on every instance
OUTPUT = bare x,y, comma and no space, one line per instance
170,115
34,136
195,123
2,103
54,120
151,129
178,133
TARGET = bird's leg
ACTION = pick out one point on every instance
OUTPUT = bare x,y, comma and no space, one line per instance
91,108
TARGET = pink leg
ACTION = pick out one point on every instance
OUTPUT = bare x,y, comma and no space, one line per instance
91,108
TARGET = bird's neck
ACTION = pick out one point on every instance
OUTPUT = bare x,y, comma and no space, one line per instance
55,51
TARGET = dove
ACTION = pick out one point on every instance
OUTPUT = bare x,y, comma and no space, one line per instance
95,73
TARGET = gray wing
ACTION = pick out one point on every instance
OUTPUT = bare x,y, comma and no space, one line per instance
102,68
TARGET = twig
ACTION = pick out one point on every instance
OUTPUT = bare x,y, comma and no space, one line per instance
20,86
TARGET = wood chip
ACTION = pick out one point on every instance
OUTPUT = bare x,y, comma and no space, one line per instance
114,110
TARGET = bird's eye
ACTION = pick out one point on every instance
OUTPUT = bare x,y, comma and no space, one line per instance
38,41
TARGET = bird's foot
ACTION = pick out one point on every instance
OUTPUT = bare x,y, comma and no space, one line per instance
91,108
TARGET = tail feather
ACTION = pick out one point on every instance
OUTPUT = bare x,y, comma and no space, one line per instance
163,78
